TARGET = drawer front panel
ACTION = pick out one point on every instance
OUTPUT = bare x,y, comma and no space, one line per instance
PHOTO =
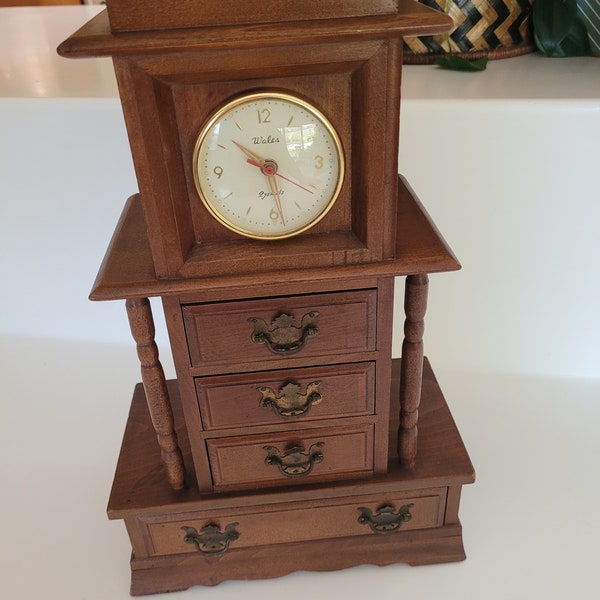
279,397
313,520
261,330
280,459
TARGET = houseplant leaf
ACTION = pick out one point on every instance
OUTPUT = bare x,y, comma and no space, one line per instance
576,42
458,63
558,29
552,20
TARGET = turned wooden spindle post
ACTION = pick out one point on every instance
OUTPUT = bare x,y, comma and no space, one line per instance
411,374
141,322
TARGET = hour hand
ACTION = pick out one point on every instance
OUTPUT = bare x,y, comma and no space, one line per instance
250,154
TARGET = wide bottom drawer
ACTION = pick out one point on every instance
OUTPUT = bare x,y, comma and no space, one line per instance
212,533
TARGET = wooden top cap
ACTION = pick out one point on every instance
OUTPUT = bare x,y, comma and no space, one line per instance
143,15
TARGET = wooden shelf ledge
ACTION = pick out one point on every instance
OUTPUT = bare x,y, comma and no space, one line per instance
128,271
140,487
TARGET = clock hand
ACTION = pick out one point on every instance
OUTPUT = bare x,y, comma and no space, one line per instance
266,168
275,192
292,181
250,154
271,169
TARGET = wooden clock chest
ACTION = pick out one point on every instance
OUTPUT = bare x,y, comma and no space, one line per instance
290,438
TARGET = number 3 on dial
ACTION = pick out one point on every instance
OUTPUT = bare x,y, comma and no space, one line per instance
268,165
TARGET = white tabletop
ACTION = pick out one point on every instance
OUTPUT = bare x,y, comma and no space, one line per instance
29,64
527,77
30,67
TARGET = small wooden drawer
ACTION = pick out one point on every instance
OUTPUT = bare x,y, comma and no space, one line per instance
284,458
277,397
218,532
241,333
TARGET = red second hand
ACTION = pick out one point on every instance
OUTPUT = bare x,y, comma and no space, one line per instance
270,170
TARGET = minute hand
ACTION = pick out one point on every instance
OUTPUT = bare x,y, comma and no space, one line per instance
275,192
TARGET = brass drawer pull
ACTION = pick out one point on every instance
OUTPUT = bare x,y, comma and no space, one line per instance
284,337
211,541
294,462
290,402
385,520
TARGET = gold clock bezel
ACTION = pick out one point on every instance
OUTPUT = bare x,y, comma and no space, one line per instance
251,97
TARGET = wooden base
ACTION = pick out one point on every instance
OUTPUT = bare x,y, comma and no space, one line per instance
285,530
440,545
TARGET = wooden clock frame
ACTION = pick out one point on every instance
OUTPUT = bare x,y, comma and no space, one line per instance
178,92
227,457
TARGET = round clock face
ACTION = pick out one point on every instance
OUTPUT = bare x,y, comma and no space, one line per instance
268,165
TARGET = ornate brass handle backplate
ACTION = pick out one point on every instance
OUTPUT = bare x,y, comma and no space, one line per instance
385,520
294,462
284,336
289,402
211,541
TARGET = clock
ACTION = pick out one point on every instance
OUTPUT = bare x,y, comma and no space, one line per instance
272,224
268,165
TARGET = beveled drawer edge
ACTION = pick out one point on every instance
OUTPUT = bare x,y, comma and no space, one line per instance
203,386
223,517
309,302
307,438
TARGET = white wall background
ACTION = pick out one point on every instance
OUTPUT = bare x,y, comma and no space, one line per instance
514,187
511,184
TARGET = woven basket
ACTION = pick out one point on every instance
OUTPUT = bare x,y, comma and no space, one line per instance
492,28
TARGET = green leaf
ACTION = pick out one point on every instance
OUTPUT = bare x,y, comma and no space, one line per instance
458,63
576,42
558,29
552,21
